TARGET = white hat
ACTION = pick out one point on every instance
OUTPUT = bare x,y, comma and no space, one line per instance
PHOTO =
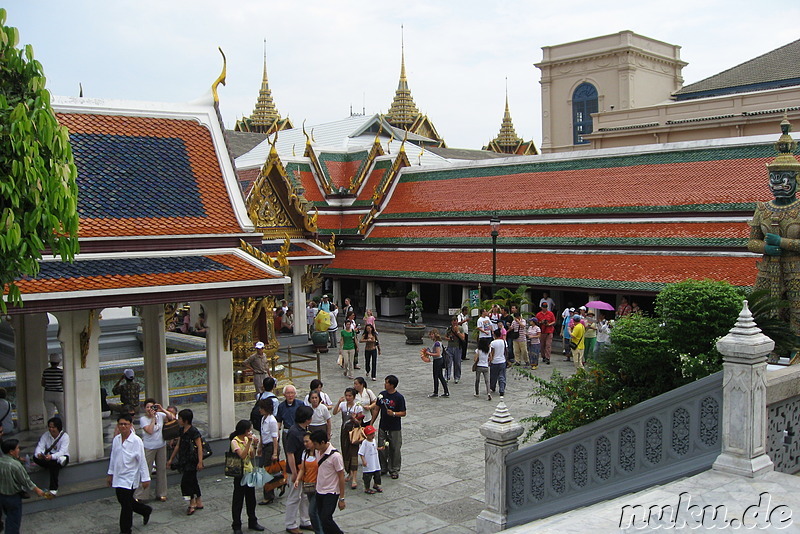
128,374
582,307
260,345
55,358
572,309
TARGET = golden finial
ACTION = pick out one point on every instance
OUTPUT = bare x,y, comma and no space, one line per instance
80,90
221,78
380,128
391,138
308,139
421,153
293,154
312,136
403,144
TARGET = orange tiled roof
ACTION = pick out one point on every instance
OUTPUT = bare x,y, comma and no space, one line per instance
142,176
136,273
374,178
703,229
338,223
246,179
622,271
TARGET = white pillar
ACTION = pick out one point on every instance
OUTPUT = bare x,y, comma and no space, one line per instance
370,301
82,383
219,362
298,301
30,351
465,297
337,296
156,379
744,399
526,308
415,287
500,433
444,299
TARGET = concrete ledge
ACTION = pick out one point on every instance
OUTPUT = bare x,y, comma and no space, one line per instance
783,384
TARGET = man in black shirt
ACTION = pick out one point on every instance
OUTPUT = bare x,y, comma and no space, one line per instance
296,501
392,407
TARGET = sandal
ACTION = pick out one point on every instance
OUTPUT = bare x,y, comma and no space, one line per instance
266,502
395,476
378,489
370,491
353,486
199,507
190,510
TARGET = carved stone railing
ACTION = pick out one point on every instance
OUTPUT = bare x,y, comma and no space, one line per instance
783,409
674,435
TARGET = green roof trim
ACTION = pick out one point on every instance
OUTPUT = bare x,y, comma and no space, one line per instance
590,210
575,241
657,158
293,168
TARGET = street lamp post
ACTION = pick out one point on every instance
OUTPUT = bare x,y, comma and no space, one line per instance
494,222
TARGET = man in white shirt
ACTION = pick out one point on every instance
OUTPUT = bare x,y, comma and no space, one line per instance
551,305
127,468
52,451
497,363
484,324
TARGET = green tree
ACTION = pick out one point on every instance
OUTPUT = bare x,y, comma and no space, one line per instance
38,191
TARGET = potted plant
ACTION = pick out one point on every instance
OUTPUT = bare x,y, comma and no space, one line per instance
414,330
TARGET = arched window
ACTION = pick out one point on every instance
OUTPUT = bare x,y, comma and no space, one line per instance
584,103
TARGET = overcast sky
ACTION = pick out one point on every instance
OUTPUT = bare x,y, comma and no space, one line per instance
324,57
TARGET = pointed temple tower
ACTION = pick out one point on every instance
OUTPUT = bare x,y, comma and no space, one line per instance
507,141
265,118
403,112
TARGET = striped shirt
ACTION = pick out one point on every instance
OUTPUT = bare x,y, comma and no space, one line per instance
53,379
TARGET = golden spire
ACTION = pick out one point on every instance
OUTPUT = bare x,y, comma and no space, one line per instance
403,112
265,112
508,136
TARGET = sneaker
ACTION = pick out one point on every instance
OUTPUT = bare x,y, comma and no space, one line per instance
53,492
433,395
62,461
534,367
456,381
374,379
489,397
475,395
446,395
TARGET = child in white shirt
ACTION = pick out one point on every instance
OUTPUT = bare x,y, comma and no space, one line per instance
368,455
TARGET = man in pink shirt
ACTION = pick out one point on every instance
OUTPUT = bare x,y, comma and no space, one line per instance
330,481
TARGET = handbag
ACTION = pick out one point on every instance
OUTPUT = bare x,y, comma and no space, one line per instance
234,465
278,471
357,435
474,366
206,448
309,487
171,430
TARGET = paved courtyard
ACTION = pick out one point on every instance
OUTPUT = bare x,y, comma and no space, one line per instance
440,488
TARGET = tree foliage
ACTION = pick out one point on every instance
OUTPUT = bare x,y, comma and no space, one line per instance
648,356
38,191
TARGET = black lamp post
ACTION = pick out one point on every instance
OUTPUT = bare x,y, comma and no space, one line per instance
494,222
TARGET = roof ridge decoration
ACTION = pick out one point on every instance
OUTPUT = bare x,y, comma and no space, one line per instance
375,151
323,177
381,190
221,78
265,117
507,141
275,205
279,262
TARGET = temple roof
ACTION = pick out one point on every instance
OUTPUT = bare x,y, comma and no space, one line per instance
265,117
161,214
403,111
151,172
626,219
777,68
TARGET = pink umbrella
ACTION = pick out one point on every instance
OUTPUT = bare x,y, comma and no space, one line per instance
600,305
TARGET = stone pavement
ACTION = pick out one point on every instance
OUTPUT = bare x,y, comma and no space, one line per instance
441,484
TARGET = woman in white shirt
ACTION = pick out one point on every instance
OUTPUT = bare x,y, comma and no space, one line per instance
268,445
155,448
365,398
321,418
52,451
482,365
352,414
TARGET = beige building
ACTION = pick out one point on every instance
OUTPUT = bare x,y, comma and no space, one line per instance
626,89
619,72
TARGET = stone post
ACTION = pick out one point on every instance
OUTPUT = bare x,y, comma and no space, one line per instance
298,301
444,299
744,399
370,301
337,297
500,433
219,363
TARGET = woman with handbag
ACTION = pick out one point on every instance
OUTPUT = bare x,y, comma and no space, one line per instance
155,448
189,453
321,419
436,354
352,415
244,444
307,476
